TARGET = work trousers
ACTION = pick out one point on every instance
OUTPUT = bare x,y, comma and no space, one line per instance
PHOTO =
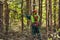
36,30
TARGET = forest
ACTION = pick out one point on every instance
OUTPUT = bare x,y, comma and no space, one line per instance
15,26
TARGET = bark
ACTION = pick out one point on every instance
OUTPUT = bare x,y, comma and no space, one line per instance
40,11
34,4
1,16
6,19
54,13
55,27
50,14
27,6
59,14
28,10
6,16
47,18
22,14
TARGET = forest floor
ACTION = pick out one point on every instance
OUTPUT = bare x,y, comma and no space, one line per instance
25,36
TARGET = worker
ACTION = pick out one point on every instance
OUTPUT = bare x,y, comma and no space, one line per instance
35,18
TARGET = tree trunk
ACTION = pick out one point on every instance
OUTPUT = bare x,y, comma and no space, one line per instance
50,17
1,17
59,13
55,27
34,4
40,11
22,14
47,17
50,14
6,19
28,10
55,14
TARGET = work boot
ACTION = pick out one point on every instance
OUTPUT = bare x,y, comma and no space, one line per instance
39,36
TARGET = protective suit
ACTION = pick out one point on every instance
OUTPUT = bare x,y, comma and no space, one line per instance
35,23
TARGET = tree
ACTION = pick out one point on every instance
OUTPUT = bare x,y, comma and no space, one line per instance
22,13
27,9
40,11
6,18
50,14
47,17
59,13
1,16
54,27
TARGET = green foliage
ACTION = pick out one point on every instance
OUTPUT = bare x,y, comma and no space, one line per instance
15,11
